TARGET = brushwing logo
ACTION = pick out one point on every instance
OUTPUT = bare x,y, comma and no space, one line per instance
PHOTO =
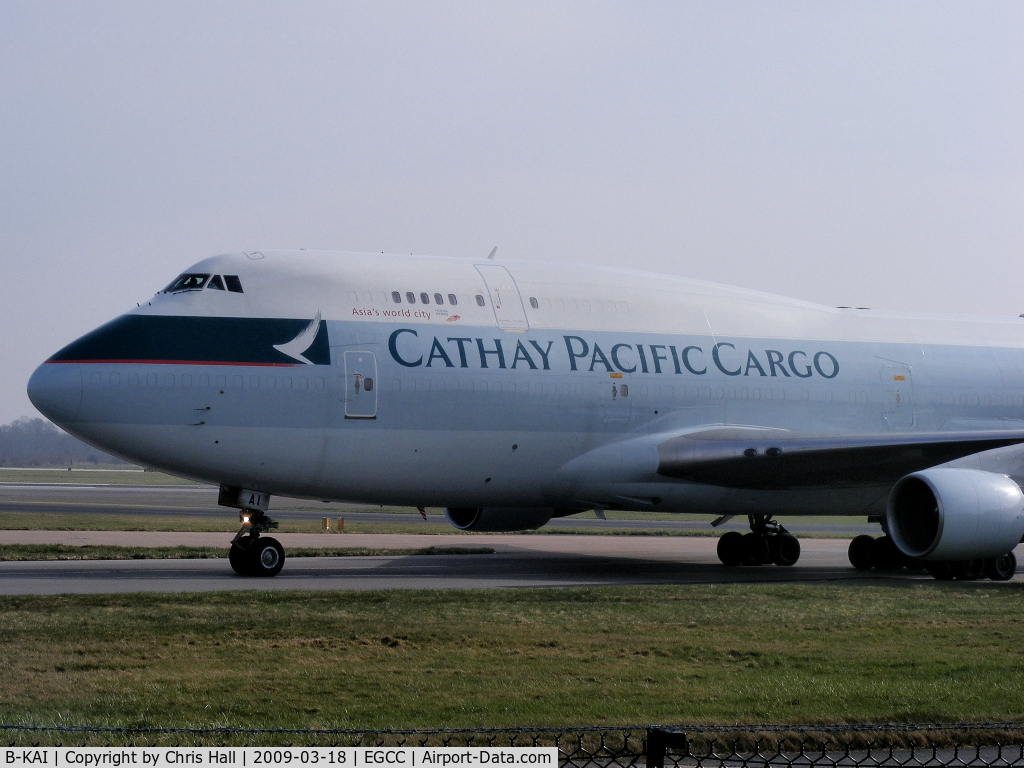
297,347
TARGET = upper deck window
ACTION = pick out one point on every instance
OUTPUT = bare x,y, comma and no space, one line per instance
187,282
396,297
438,298
480,300
233,283
216,283
410,297
425,298
452,299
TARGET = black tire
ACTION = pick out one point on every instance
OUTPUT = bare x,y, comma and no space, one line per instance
785,549
1001,568
755,549
968,570
887,555
730,548
239,558
266,557
940,569
862,552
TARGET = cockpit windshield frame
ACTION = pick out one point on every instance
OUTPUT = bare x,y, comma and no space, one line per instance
189,281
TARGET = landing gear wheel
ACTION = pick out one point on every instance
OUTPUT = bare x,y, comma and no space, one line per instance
730,548
251,555
940,569
266,557
968,570
785,549
239,558
767,542
1001,568
862,552
755,549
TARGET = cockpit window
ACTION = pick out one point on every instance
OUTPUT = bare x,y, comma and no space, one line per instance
233,283
216,283
187,282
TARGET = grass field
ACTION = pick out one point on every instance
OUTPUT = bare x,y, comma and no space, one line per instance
90,477
137,477
88,521
918,652
34,521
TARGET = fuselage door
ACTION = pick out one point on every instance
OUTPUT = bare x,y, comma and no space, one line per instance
509,312
898,397
616,397
360,390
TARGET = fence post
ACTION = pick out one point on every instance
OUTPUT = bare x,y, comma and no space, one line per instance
661,739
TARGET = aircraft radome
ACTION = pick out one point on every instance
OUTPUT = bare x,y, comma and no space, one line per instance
513,392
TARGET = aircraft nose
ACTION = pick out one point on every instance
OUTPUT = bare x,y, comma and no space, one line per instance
56,390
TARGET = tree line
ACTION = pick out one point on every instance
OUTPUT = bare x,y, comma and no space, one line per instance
35,442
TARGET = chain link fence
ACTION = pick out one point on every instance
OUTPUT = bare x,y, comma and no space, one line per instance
930,744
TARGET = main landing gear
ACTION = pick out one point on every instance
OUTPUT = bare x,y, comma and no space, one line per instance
881,554
767,542
252,554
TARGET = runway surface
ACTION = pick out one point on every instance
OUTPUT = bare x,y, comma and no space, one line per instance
531,560
518,561
201,501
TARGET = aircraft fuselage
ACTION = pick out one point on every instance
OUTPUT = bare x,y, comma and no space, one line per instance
448,382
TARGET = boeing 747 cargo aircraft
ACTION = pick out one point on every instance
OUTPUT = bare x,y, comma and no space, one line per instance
513,392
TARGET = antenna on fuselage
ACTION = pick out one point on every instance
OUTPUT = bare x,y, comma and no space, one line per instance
494,250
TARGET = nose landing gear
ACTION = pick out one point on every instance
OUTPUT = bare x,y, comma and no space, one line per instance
250,553
767,542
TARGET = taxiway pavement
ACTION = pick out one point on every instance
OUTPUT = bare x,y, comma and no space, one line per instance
518,561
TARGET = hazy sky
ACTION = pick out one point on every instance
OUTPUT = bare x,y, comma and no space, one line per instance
859,153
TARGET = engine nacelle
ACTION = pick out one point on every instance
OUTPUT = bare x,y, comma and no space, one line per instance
955,514
498,519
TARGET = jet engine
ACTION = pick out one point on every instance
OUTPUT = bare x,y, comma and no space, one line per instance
946,514
498,519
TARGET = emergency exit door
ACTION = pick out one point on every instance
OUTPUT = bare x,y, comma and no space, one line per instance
360,385
897,397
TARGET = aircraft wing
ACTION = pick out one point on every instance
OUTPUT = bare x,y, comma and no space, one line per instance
775,459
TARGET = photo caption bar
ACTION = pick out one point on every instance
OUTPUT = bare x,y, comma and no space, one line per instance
256,757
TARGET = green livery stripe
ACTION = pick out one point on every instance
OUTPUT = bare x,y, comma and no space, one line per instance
160,339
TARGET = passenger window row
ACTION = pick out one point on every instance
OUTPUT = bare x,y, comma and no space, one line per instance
576,305
424,298
561,305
